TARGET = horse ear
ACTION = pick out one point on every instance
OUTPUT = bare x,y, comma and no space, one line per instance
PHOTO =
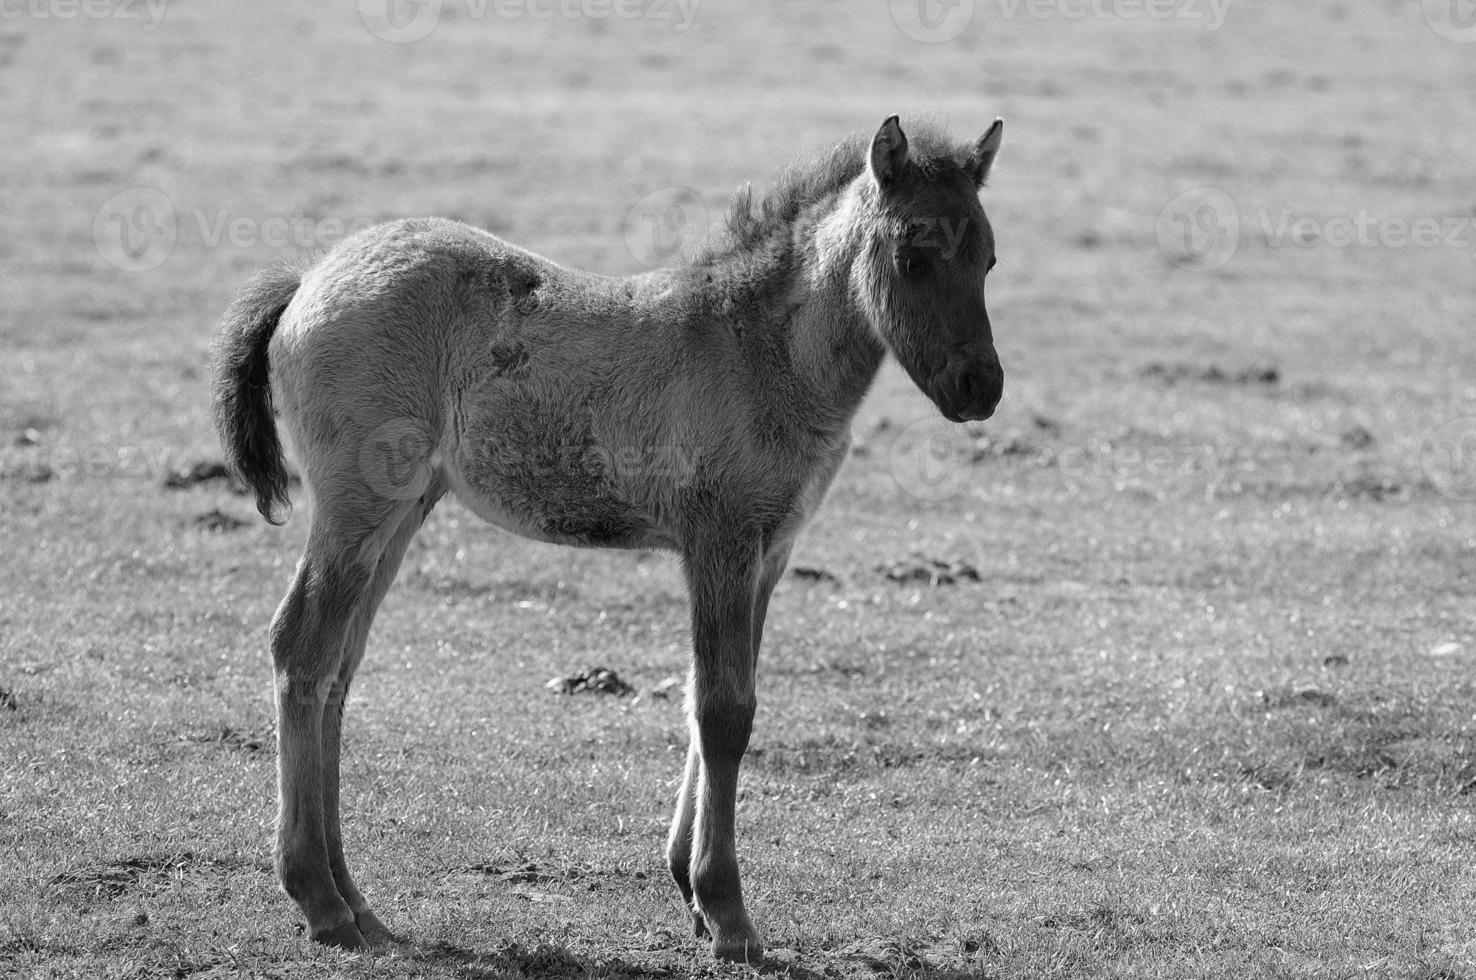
888,154
982,158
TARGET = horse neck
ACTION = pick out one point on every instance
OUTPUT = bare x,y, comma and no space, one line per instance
834,351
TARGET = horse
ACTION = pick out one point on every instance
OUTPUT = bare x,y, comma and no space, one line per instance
424,357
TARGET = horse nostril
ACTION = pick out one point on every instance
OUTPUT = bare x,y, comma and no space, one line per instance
968,387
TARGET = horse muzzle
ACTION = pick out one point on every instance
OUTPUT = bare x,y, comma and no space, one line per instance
968,391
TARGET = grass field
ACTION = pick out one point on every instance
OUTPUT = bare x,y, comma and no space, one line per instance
1209,710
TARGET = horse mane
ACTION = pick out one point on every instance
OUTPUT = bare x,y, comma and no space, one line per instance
757,226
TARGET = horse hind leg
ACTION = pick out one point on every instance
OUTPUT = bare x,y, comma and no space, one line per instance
317,639
409,521
307,649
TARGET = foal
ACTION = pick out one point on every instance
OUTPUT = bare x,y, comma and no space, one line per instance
425,357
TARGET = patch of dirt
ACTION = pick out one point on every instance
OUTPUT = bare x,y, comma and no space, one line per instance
210,472
25,469
517,960
596,680
1274,700
1356,437
888,956
8,700
200,472
813,574
831,755
1267,776
230,738
219,522
1367,485
1171,374
1097,919
146,873
521,877
930,571
986,447
910,957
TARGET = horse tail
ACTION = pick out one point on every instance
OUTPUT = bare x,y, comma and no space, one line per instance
241,385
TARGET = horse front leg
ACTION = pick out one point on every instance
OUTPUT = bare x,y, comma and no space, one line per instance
722,581
679,840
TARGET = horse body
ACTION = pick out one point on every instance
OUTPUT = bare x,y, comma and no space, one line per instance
703,410
560,405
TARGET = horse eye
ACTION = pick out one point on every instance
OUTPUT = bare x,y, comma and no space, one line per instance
911,263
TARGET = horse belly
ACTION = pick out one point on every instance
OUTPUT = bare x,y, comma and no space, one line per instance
558,489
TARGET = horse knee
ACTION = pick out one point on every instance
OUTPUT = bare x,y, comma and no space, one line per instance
723,727
311,619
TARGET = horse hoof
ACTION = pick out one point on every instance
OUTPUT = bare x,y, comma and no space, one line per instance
375,933
346,936
739,950
699,926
